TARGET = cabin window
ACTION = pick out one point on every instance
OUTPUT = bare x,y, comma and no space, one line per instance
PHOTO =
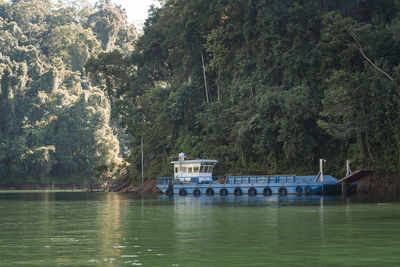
210,169
190,170
184,169
176,169
202,169
195,169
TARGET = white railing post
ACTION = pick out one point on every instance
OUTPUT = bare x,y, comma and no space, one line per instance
320,175
348,170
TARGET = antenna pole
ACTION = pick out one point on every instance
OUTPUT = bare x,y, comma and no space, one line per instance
142,164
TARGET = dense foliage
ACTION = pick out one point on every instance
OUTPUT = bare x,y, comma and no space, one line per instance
263,86
54,124
285,83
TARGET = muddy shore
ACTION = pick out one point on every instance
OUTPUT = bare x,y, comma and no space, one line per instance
30,186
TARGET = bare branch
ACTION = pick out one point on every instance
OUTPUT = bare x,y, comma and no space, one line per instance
358,46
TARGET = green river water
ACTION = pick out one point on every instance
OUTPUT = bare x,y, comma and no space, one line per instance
111,229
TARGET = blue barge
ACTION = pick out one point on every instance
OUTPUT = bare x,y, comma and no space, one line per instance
195,177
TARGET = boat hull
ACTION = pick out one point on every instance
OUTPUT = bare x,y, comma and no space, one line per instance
276,185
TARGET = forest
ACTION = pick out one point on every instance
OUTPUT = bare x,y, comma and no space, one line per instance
263,86
54,123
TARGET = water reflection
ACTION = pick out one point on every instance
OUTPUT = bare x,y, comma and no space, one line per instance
275,200
210,223
111,229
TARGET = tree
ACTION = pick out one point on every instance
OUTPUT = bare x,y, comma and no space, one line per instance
73,44
54,123
106,24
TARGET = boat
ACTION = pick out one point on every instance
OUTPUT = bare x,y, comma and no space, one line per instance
194,177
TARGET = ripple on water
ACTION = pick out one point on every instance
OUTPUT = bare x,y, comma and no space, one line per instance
64,239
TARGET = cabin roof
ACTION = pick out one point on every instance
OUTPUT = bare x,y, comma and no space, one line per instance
195,161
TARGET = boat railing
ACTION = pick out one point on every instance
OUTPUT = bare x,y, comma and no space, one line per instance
182,180
260,179
267,179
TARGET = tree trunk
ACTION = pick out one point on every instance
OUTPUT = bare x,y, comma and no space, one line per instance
368,148
204,77
251,91
366,155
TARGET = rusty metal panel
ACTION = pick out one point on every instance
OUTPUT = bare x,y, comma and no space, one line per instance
355,176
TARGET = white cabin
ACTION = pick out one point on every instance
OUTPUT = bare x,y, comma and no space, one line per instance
185,170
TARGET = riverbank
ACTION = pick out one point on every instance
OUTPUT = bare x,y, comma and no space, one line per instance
46,187
123,183
115,185
380,184
149,188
